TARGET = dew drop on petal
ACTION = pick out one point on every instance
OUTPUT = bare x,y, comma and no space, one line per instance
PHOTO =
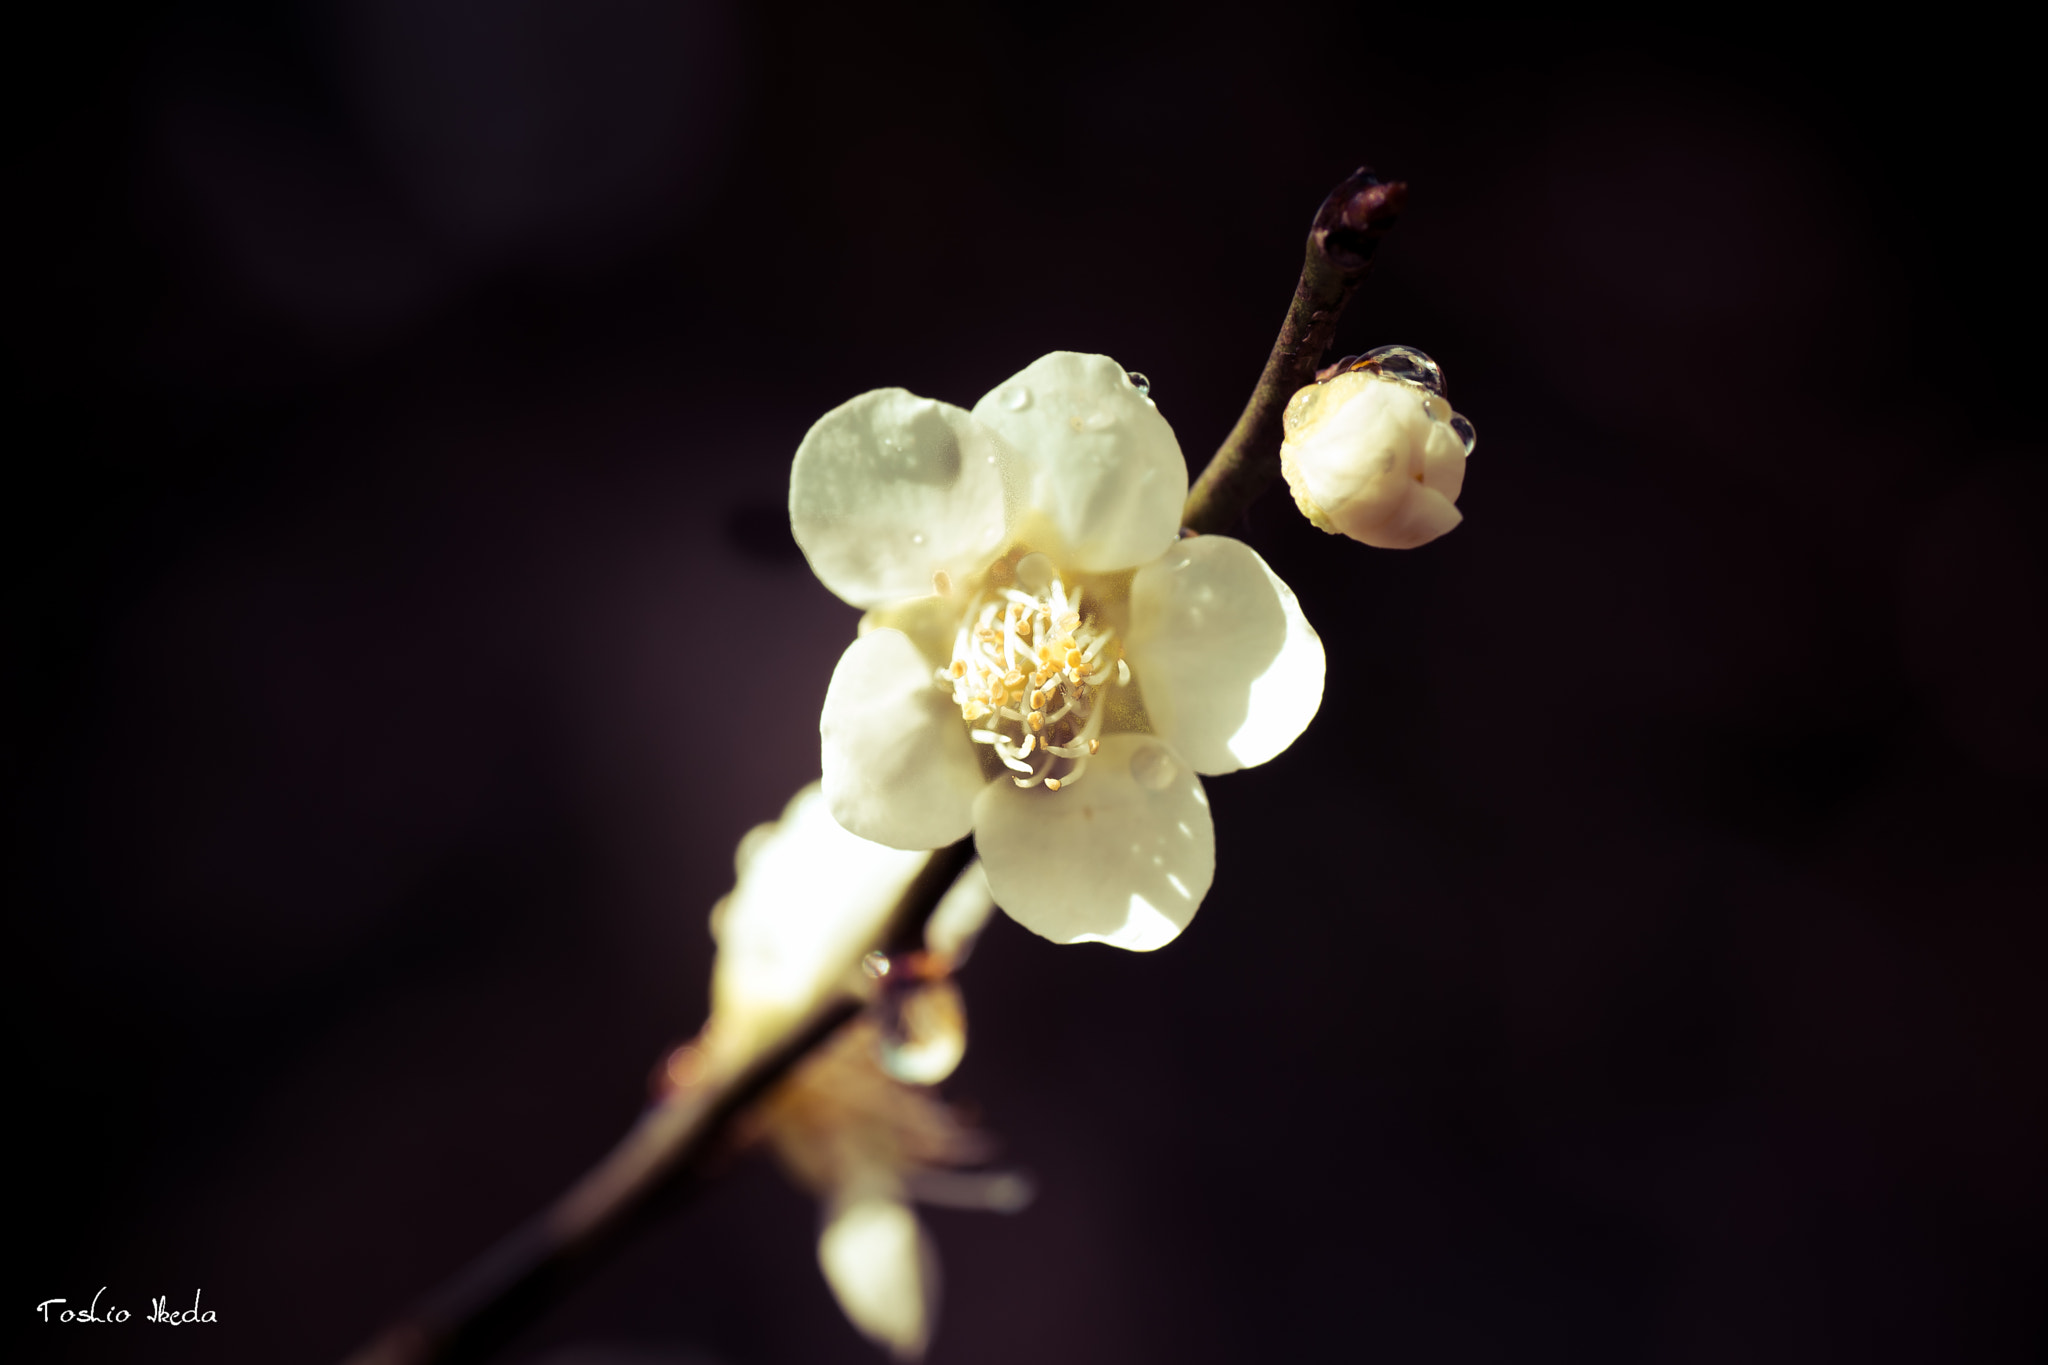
874,966
1153,768
1405,363
1139,382
923,1031
1016,398
1034,573
1465,432
917,537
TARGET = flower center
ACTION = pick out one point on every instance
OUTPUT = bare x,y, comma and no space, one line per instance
1029,672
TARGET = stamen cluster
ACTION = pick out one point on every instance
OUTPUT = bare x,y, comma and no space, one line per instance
1034,661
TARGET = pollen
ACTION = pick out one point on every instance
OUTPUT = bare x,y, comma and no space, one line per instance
1030,670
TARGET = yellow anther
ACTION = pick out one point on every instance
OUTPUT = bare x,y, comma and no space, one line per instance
1013,679
1037,719
1073,658
959,668
1052,784
942,583
1093,745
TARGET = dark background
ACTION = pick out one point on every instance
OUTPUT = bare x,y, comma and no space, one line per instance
1639,959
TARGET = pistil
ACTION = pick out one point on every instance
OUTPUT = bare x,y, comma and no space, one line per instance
1032,668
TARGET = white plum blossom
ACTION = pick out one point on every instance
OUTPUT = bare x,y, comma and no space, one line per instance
1375,455
1045,661
809,899
810,902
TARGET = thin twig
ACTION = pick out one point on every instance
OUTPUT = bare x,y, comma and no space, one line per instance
1347,228
509,1285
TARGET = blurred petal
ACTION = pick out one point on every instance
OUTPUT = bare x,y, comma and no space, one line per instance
899,767
1122,856
1230,669
811,899
884,1271
962,913
1106,474
889,489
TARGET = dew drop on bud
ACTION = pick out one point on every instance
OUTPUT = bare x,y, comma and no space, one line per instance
1465,432
1139,382
1404,363
874,966
1153,768
1016,398
923,1031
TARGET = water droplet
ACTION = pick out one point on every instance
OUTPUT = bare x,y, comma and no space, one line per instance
1016,398
924,1031
1034,573
1465,432
917,537
1098,421
1404,363
875,965
1139,382
1153,768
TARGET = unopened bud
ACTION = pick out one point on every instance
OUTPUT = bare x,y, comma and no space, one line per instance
1377,457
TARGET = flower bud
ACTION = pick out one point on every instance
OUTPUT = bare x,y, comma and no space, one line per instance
1374,457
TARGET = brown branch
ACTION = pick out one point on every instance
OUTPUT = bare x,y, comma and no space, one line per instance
512,1283
1341,241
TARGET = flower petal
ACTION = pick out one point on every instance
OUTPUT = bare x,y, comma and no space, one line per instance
899,768
1106,474
884,1271
810,899
889,489
1123,856
1231,671
1417,515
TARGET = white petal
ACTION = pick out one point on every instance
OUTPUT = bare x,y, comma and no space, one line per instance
889,489
810,899
1107,478
1416,516
899,767
1123,856
884,1271
1230,669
